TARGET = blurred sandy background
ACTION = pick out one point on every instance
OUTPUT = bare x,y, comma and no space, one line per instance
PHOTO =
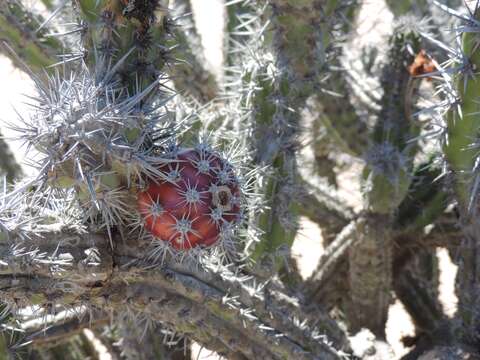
375,24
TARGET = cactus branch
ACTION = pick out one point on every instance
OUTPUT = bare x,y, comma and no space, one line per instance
18,28
165,294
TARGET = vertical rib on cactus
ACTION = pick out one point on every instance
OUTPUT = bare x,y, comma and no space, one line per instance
269,129
387,177
300,38
128,35
461,151
276,223
336,127
463,125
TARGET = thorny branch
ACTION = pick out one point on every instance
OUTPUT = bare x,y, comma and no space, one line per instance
198,303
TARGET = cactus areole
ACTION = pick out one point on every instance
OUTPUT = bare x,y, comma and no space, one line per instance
197,199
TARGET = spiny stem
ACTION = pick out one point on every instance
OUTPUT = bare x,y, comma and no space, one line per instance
19,30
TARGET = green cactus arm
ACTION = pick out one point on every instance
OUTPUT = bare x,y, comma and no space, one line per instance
302,39
275,235
18,29
299,40
461,152
463,125
259,90
130,39
390,160
387,180
370,274
313,45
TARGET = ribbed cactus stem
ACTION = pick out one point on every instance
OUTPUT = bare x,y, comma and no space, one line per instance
129,38
272,125
391,157
300,39
463,124
461,150
277,222
370,274
387,180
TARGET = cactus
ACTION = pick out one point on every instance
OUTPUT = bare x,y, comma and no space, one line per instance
461,156
166,202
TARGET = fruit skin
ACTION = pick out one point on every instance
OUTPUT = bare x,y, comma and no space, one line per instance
196,200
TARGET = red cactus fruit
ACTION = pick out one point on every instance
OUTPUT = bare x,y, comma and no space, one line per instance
198,198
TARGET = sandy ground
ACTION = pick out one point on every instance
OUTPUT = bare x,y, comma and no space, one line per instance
308,247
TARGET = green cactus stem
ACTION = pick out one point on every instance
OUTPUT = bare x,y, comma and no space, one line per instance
133,36
463,125
300,40
387,181
18,29
461,152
